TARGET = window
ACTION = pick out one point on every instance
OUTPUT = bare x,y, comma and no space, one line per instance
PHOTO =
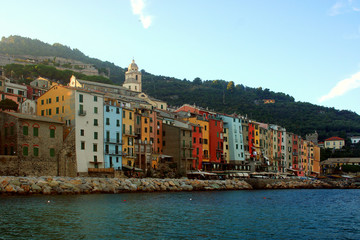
145,130
117,110
130,115
81,98
25,150
50,112
95,147
81,109
95,135
52,152
49,100
25,130
62,109
42,112
36,151
52,133
57,99
137,119
124,127
107,136
62,98
36,131
57,110
194,140
107,121
130,129
95,98
107,109
95,110
151,130
96,122
42,102
82,145
117,122
82,132
124,114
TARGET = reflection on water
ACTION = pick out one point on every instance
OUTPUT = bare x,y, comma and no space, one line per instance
271,214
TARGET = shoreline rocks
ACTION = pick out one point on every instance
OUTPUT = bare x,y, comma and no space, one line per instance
87,185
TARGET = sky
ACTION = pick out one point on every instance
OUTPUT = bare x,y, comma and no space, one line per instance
307,49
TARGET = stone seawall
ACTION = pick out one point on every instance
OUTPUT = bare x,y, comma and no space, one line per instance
79,185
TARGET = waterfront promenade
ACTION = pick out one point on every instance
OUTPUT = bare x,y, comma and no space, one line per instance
83,185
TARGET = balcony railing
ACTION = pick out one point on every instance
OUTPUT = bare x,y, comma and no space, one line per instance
188,146
82,112
119,153
128,133
114,141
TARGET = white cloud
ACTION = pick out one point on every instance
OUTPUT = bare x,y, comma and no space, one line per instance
343,87
336,9
138,9
342,6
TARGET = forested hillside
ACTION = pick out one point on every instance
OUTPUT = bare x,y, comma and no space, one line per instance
219,95
17,45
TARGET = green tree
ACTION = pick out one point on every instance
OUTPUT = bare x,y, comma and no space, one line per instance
230,87
8,104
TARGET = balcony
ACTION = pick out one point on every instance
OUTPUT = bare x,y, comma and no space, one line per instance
114,153
113,141
82,112
128,133
188,146
128,155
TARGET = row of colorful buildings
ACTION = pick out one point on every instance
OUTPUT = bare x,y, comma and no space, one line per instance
108,128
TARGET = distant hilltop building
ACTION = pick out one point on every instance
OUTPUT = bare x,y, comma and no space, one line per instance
266,101
334,142
133,78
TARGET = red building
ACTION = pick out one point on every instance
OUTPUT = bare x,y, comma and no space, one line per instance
197,146
216,139
295,153
215,131
251,136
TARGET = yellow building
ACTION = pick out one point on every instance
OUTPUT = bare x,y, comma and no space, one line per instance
128,137
226,145
59,104
334,142
204,124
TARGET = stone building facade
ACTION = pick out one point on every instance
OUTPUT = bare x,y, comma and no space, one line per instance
29,145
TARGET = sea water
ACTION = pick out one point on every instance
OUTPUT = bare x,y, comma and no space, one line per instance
255,214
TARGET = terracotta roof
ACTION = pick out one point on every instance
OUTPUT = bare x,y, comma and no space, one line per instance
334,139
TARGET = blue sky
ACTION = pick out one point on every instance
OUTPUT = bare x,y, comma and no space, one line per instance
307,49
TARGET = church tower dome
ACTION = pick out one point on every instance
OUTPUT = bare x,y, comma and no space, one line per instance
133,66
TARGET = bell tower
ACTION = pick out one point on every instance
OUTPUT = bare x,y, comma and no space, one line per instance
133,78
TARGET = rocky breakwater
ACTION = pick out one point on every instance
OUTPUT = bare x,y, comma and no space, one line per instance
302,184
66,185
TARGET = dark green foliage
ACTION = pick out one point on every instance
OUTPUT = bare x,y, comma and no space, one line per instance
24,72
8,104
350,168
17,45
348,151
